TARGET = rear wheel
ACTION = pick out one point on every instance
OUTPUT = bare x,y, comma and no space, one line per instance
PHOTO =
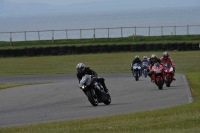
93,100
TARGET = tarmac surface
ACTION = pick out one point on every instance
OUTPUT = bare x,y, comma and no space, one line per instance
61,99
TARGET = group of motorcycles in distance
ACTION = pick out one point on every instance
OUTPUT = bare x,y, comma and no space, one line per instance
161,73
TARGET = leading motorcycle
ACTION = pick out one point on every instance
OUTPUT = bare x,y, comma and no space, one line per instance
158,74
94,90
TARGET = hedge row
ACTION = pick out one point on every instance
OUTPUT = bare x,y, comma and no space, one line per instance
97,49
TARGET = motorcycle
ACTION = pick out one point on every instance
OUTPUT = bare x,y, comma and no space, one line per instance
158,74
145,66
168,74
136,69
94,90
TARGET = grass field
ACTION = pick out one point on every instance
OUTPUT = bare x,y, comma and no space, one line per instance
181,119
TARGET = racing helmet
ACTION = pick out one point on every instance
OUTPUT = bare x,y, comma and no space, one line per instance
154,58
80,67
165,55
145,57
137,57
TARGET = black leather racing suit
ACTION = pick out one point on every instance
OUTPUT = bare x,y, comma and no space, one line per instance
89,71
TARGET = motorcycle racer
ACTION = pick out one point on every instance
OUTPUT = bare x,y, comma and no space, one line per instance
165,59
145,63
152,61
136,60
82,70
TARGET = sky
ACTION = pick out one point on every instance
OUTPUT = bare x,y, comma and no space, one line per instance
68,2
56,2
39,7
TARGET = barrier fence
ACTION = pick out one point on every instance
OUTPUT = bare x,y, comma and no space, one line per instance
64,50
94,33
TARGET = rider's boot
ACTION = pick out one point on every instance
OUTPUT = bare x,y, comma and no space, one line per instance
173,77
103,84
152,80
105,88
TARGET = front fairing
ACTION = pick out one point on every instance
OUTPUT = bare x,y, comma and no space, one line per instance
86,80
157,69
168,68
136,66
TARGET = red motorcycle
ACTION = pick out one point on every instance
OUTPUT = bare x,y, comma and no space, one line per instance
168,74
158,74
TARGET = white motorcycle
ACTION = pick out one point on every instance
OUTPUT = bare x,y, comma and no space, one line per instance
136,69
145,66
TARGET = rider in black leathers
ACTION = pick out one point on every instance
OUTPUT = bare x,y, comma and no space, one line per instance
82,71
136,60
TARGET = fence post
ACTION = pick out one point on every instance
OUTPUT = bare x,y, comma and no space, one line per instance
135,31
175,30
187,29
38,35
162,30
80,33
94,35
121,32
149,30
25,35
52,36
66,35
108,32
10,38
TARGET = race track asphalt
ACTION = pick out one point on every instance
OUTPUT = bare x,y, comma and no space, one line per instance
62,100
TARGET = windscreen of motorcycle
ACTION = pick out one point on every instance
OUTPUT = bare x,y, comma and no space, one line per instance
136,66
86,80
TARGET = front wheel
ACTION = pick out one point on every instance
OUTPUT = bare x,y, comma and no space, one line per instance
108,99
136,75
160,83
145,73
93,100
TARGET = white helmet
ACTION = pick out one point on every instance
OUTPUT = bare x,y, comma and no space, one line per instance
80,67
137,57
145,57
153,56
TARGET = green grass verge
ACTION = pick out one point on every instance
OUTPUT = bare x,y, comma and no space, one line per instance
100,41
187,61
180,119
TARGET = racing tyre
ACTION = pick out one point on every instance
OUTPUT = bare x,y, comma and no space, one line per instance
93,100
108,99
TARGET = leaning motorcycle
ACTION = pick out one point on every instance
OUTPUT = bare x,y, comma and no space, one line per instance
145,66
94,90
157,75
136,69
168,74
